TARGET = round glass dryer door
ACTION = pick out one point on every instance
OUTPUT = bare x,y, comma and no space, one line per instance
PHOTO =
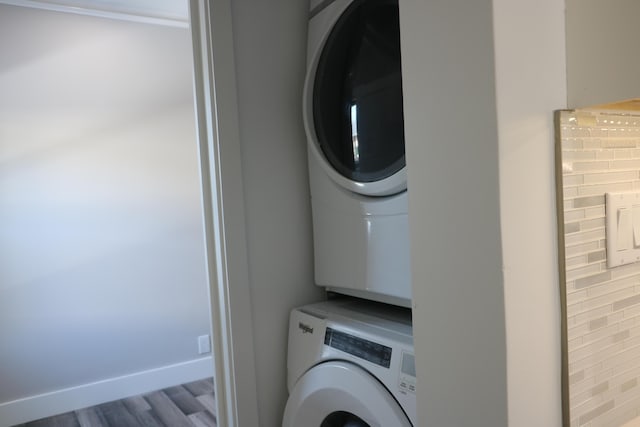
341,394
356,99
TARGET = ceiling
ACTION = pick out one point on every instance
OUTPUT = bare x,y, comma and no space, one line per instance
162,11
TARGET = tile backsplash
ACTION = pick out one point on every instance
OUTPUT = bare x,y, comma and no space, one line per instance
599,153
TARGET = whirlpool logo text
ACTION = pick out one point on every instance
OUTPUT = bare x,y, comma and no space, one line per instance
306,329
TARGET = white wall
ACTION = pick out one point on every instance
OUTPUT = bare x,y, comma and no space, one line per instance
602,51
530,85
102,270
452,160
270,46
499,350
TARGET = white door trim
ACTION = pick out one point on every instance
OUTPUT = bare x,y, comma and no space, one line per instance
225,226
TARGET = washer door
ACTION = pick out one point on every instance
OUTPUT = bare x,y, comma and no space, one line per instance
341,394
353,99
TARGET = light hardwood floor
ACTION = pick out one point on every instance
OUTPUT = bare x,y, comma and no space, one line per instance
187,405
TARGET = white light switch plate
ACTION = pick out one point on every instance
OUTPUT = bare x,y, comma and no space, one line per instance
623,228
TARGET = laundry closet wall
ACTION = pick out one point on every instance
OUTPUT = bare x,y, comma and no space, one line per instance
478,304
531,78
102,269
270,49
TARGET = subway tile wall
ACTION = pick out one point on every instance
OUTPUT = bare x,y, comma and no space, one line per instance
600,152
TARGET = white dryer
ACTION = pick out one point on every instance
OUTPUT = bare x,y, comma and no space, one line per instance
353,117
350,363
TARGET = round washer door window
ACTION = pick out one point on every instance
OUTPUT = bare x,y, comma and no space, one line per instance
341,394
357,93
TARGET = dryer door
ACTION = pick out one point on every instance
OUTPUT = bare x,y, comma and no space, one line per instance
341,394
354,114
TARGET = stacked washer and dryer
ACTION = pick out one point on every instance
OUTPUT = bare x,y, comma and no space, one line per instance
350,360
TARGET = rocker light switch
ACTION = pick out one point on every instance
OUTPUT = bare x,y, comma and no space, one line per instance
635,224
623,228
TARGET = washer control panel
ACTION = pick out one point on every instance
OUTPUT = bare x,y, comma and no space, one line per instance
407,382
359,347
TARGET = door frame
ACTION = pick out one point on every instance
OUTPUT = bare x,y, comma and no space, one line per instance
224,212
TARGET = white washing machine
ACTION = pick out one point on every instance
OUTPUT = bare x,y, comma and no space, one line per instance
353,117
350,364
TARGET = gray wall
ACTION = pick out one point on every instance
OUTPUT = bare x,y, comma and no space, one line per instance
102,270
482,82
452,160
530,85
270,44
602,51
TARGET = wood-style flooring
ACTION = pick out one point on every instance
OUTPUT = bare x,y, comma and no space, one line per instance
187,405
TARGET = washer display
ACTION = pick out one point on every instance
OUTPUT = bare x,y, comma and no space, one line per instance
353,116
350,363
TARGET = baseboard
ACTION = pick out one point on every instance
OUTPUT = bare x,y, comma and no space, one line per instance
69,399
